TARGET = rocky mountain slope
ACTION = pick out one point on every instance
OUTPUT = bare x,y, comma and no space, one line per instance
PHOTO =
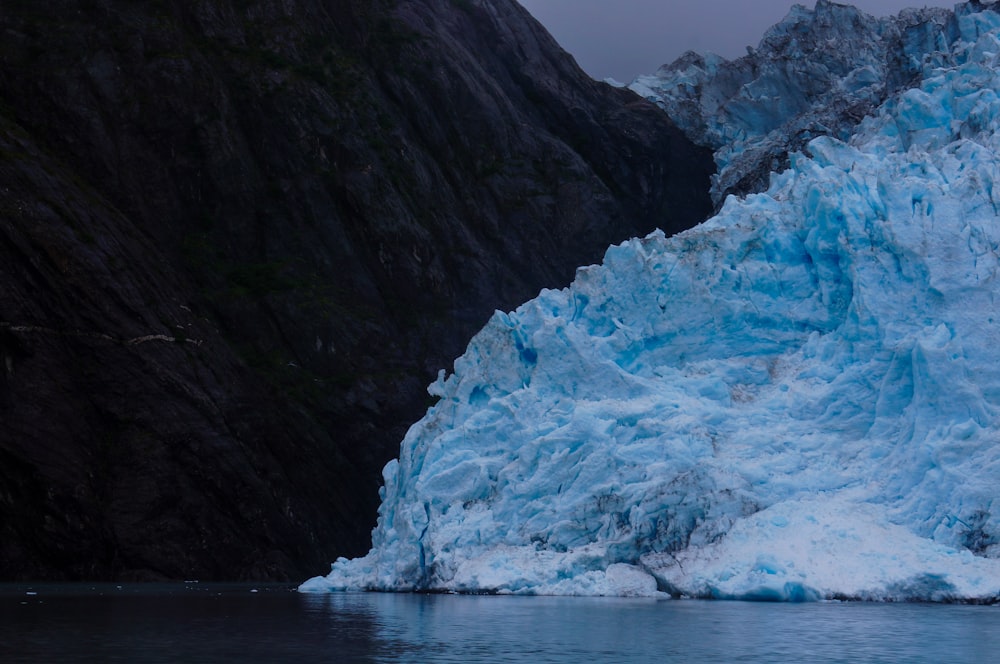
239,237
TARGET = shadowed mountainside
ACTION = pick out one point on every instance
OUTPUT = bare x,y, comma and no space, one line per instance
239,237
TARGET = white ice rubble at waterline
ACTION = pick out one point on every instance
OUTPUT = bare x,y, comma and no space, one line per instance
796,400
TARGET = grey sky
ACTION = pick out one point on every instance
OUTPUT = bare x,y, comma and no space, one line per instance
624,38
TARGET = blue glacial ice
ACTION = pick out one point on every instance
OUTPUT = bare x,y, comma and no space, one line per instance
798,399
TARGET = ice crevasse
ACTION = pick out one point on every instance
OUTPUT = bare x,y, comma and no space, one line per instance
797,399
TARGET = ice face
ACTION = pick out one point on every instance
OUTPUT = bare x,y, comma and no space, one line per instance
796,400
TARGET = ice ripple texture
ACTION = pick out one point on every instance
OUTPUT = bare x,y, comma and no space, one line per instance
796,400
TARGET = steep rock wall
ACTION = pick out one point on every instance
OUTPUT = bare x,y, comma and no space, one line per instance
239,237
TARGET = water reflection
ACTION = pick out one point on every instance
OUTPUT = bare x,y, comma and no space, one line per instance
442,628
207,623
174,623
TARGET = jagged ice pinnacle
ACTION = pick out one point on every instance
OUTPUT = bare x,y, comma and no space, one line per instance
797,399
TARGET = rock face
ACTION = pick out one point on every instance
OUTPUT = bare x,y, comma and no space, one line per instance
239,237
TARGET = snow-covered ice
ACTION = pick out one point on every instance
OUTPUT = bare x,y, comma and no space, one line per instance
796,400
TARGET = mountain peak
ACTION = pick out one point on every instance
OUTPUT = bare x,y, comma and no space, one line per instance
817,72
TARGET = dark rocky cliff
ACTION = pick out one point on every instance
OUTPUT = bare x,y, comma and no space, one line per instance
239,237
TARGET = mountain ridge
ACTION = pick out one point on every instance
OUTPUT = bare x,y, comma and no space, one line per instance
817,72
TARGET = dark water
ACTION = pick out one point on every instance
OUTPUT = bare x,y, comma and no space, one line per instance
213,623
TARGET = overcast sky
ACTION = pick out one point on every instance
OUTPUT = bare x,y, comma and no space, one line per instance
624,38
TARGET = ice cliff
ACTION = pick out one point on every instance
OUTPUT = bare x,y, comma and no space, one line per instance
796,400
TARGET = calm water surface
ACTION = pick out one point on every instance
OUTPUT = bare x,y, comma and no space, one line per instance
212,623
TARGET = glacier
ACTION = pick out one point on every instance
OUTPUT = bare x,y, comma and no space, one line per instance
796,400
